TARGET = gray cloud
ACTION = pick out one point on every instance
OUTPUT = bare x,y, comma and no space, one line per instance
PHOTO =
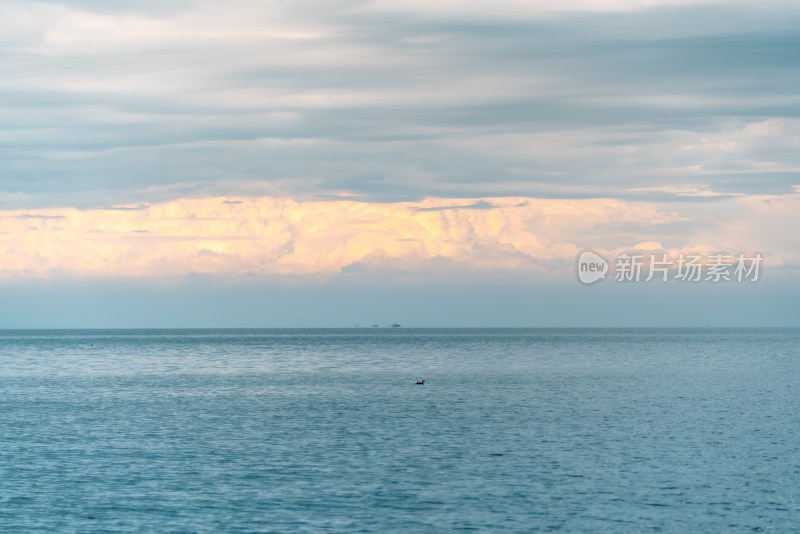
480,205
136,102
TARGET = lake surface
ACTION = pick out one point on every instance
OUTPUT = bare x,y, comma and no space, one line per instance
516,430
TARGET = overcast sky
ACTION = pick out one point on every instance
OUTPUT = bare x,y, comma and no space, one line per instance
456,151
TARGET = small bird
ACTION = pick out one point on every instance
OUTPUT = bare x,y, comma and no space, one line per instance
421,383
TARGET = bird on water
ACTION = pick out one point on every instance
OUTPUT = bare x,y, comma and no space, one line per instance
422,383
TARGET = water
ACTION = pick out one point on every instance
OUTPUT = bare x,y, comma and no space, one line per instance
516,430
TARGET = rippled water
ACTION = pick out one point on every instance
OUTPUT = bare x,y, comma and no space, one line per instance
310,430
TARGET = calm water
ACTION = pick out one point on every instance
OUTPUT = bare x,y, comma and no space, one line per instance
324,430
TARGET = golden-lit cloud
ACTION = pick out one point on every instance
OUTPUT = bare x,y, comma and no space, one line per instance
283,236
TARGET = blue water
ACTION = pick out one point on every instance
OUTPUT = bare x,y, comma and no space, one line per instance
516,430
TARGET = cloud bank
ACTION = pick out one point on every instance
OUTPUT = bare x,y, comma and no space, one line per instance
265,236
131,102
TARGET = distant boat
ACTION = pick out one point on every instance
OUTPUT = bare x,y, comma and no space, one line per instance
395,325
375,326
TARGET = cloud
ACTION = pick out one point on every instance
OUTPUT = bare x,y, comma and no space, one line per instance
283,236
688,190
480,205
269,236
108,103
140,207
527,8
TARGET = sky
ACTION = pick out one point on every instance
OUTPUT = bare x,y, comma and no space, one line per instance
188,163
